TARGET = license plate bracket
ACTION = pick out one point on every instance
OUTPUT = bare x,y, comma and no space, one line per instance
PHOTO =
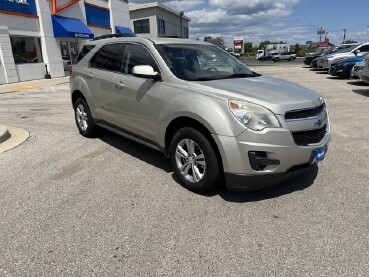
318,155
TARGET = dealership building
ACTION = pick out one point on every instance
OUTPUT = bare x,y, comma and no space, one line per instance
40,36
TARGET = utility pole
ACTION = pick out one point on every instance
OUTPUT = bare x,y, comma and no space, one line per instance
344,35
180,18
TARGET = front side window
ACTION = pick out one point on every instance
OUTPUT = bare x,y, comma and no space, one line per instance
135,54
142,26
107,58
197,62
161,26
26,49
364,48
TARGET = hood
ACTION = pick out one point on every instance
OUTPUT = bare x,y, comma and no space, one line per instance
277,95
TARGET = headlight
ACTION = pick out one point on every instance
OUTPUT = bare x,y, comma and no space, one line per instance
253,116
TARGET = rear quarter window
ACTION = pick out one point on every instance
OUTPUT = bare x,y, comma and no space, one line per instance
85,50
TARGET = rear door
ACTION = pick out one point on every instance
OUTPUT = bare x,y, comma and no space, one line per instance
100,75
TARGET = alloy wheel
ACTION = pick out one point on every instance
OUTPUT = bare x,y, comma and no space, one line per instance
190,160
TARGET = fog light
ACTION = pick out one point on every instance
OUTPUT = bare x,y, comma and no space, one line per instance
259,160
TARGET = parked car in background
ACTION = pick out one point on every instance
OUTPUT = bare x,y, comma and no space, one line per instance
365,74
235,54
309,58
356,49
357,70
286,56
342,67
265,58
316,63
215,119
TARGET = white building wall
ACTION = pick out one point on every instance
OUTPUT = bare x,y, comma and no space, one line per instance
50,46
149,13
119,14
172,21
8,72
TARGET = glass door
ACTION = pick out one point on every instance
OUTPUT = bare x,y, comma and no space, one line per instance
69,51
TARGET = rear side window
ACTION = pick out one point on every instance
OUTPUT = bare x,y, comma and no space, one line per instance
85,50
107,57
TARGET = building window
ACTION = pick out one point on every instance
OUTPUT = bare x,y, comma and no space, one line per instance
142,26
161,26
185,32
26,49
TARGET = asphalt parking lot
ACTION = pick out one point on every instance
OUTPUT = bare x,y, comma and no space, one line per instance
72,206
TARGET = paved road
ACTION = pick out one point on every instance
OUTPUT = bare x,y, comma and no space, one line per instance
72,206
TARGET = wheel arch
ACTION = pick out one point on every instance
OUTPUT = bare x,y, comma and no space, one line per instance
186,121
77,94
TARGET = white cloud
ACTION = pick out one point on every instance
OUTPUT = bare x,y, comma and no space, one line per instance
255,20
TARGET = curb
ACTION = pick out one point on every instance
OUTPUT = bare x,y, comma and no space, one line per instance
16,137
4,134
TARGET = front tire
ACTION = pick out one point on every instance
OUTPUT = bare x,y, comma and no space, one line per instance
194,160
84,120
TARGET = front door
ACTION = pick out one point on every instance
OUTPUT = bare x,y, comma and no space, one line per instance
137,99
69,51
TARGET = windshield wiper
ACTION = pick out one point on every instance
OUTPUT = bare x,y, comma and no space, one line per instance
241,75
204,79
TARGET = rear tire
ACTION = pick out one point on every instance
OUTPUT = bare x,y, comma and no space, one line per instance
194,160
84,120
276,60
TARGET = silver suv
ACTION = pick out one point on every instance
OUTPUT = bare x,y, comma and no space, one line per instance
210,114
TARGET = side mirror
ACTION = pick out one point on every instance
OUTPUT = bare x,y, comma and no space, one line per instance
356,52
145,71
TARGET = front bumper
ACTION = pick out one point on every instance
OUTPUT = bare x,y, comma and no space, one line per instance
340,71
277,144
365,75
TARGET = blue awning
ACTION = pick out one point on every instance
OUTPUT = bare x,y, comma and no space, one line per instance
65,27
123,30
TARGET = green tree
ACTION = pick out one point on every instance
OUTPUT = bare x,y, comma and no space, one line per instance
297,48
248,47
207,38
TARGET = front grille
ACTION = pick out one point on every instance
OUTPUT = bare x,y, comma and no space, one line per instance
303,138
300,114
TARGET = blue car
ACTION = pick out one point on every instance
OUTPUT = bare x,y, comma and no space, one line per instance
342,67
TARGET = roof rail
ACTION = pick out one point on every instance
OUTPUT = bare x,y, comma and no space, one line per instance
114,36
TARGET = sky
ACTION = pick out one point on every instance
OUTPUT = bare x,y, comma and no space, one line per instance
292,21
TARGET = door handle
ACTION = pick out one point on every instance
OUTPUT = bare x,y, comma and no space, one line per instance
90,75
119,85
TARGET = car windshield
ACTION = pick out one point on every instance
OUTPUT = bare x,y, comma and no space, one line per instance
201,62
348,48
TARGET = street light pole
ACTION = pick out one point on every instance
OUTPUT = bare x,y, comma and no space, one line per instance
344,35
